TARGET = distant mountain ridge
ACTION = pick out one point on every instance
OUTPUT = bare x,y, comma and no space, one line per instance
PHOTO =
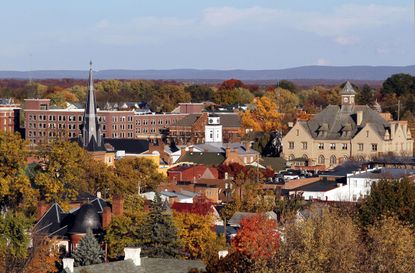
372,73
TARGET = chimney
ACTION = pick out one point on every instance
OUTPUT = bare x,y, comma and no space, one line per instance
182,150
133,253
247,145
191,149
68,264
106,217
222,254
42,208
118,205
359,117
228,152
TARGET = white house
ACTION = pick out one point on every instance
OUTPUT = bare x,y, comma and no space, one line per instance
358,185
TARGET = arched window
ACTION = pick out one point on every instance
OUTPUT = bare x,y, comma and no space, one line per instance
321,160
333,160
305,156
291,157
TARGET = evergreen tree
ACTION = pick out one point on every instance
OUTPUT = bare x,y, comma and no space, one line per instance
365,96
88,251
159,233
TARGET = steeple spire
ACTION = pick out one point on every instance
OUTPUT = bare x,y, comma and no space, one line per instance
91,134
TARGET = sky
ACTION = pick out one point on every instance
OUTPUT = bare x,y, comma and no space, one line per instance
204,34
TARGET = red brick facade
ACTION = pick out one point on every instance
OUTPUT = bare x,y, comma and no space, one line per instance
44,124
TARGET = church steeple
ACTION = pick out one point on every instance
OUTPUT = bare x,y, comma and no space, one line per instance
91,138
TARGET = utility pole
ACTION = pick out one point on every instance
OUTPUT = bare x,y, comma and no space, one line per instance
399,109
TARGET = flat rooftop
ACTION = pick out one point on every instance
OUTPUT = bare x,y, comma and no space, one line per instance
382,173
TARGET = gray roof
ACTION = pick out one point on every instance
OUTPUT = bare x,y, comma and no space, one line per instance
220,147
384,173
228,120
239,216
348,89
318,186
334,124
148,265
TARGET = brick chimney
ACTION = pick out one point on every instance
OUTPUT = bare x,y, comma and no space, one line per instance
106,217
182,150
118,205
42,208
228,152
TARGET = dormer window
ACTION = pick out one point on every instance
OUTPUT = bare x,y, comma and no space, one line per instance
346,99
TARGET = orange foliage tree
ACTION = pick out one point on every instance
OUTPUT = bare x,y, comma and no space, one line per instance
257,238
263,117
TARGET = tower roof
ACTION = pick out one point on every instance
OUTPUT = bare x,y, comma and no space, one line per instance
348,89
91,139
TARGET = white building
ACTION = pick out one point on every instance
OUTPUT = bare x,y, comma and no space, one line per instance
213,130
358,185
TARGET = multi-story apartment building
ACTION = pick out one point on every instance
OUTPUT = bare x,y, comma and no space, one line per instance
346,132
9,116
45,122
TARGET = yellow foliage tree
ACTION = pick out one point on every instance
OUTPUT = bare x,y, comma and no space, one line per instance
391,247
196,235
263,117
285,100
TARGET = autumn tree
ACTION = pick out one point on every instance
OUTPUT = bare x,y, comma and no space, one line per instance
323,242
285,100
257,238
263,117
61,173
196,234
167,97
136,174
288,85
15,188
391,246
43,256
231,84
236,96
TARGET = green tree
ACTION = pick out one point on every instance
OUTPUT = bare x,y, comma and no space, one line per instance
14,242
200,93
285,100
166,98
88,251
389,197
159,233
124,231
399,84
288,85
365,96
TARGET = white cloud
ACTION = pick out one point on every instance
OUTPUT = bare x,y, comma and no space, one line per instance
346,40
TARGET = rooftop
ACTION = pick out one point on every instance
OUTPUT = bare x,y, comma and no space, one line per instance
383,173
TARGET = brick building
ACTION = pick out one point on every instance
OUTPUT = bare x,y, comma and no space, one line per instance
191,129
45,122
9,116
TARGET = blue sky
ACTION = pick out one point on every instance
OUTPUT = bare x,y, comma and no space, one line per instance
210,34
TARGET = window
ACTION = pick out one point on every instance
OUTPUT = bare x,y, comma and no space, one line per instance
344,146
304,145
333,160
360,146
321,146
367,133
291,145
374,147
332,146
298,132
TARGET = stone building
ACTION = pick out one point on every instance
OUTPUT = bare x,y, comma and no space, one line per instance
348,131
